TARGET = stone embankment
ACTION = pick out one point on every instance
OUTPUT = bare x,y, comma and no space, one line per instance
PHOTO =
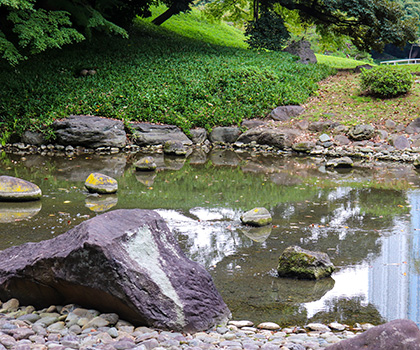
281,133
72,327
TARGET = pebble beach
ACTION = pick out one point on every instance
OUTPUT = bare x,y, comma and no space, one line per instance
73,327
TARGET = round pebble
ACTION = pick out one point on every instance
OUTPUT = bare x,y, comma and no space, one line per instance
60,328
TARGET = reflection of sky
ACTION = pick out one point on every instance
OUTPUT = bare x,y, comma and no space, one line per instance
210,243
388,281
349,283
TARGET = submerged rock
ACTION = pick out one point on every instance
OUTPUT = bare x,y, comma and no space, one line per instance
100,183
124,261
257,217
14,189
301,263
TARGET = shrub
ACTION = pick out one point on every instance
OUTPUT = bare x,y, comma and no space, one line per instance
267,32
385,82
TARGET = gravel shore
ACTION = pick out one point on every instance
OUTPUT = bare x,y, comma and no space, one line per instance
72,327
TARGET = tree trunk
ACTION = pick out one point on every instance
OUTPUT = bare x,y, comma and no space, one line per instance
166,15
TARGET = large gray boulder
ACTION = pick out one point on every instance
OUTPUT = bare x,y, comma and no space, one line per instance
124,261
394,335
225,134
301,263
90,131
198,135
285,113
33,138
361,132
148,134
302,49
280,138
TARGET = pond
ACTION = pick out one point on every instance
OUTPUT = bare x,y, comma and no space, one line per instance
367,219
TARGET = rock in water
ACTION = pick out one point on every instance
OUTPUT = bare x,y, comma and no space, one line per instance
343,162
176,148
257,217
90,131
14,189
394,335
124,261
301,263
100,183
146,164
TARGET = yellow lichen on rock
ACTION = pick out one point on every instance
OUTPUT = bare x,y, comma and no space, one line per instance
100,183
15,189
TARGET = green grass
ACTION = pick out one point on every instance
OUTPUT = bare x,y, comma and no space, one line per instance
196,25
339,62
157,75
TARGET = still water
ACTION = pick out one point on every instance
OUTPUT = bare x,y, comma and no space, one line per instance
367,219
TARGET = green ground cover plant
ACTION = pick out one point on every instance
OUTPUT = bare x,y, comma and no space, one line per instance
385,81
157,76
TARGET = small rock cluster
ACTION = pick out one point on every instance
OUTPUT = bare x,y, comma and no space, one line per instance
72,327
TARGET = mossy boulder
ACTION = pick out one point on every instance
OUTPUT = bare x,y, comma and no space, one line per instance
257,217
176,148
304,264
146,164
100,183
13,189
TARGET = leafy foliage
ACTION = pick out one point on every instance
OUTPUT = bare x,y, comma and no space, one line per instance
267,32
29,26
160,77
386,82
369,24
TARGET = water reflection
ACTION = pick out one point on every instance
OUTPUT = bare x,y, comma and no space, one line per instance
366,219
101,203
13,211
257,234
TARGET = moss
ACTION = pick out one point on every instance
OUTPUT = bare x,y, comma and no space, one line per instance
301,264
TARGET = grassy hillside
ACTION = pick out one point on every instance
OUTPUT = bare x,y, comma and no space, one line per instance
339,62
157,75
196,25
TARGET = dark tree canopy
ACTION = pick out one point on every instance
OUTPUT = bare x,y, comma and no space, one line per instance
371,24
32,26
